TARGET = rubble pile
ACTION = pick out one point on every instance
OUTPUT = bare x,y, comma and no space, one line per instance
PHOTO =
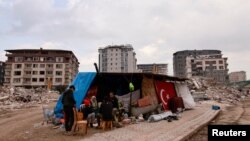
216,91
18,97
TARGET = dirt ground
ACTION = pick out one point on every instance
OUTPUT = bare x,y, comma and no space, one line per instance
26,124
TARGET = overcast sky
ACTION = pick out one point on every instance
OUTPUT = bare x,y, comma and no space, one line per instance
155,28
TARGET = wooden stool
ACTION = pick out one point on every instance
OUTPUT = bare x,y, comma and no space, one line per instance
107,125
79,125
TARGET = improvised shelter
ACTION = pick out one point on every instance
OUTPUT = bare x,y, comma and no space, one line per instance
149,90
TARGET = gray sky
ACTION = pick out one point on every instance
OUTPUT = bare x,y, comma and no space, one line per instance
155,28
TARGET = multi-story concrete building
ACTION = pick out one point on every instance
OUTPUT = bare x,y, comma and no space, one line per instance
40,67
153,68
117,58
208,63
2,65
237,76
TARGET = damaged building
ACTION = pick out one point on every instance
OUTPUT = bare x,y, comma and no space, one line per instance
206,63
40,67
2,65
153,68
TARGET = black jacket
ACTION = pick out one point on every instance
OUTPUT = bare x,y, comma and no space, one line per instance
114,101
86,111
106,111
68,98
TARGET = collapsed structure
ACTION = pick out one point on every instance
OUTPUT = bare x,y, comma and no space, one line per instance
203,88
18,97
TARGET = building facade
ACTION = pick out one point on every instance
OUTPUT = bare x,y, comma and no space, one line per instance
207,63
237,76
40,67
2,66
117,58
153,68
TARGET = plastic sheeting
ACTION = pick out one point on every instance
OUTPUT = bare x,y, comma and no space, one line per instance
183,91
159,117
82,83
125,99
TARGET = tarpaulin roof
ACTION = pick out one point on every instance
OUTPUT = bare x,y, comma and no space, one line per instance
82,83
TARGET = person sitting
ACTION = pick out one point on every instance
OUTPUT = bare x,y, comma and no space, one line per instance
113,99
88,112
106,110
96,108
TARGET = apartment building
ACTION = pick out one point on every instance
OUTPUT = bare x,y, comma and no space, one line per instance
237,76
117,58
40,67
153,68
207,63
2,65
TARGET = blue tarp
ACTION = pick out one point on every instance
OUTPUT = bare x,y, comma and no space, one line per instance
82,83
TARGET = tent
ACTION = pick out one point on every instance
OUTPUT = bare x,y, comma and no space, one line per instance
100,84
82,83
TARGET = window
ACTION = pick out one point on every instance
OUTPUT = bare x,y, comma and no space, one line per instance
18,59
59,59
18,66
41,79
35,65
27,72
26,80
34,79
59,66
58,80
220,62
16,80
221,67
17,73
49,65
35,72
50,72
42,72
50,59
28,65
42,65
42,59
36,59
28,59
58,73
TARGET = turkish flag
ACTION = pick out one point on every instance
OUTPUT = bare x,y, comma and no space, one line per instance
165,91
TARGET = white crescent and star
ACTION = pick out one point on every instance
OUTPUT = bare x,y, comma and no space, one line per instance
162,97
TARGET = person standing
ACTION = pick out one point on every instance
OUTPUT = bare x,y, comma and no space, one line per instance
69,102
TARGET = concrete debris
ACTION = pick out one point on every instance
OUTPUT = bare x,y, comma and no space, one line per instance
206,88
18,97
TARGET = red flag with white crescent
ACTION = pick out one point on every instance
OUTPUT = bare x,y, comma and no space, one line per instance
165,91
